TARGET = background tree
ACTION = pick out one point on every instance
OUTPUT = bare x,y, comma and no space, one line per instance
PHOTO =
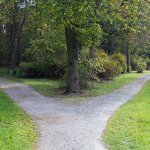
53,36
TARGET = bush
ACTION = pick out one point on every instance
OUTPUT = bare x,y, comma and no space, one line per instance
147,60
101,54
111,66
85,75
140,65
94,65
121,61
45,56
101,67
89,69
112,69
97,67
36,69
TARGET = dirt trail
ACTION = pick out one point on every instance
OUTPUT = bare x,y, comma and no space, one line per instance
70,127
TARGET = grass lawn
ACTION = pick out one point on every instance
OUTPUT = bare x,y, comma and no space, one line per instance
129,128
51,87
109,86
17,131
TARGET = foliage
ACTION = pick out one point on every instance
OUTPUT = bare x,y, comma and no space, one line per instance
112,69
85,75
37,35
48,48
101,54
97,66
45,57
94,66
147,60
36,69
101,66
140,65
51,88
121,61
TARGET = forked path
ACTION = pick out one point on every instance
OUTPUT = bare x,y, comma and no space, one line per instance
70,127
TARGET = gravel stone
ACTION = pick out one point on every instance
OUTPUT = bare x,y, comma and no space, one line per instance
64,126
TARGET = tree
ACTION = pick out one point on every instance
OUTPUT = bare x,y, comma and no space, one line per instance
75,15
78,18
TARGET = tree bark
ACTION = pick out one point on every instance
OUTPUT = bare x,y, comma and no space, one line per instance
72,51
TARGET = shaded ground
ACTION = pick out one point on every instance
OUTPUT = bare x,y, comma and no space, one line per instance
70,127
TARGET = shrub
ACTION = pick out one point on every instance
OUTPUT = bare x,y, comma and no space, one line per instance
36,69
112,69
112,66
89,69
140,65
101,54
45,56
101,67
97,66
121,61
94,65
147,60
85,75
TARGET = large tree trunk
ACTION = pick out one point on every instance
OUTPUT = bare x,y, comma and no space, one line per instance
72,50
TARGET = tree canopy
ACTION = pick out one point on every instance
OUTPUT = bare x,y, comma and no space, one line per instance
57,33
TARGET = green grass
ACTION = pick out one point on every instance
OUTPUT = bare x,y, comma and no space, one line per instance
129,128
44,86
51,88
17,131
109,86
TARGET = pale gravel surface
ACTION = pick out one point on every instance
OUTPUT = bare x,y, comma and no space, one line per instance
65,126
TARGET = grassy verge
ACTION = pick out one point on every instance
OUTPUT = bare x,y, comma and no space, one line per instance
17,131
129,128
109,86
51,87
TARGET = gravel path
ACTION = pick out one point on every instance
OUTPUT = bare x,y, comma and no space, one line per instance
70,127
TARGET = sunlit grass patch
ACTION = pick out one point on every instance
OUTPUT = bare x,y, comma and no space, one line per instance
129,128
17,130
